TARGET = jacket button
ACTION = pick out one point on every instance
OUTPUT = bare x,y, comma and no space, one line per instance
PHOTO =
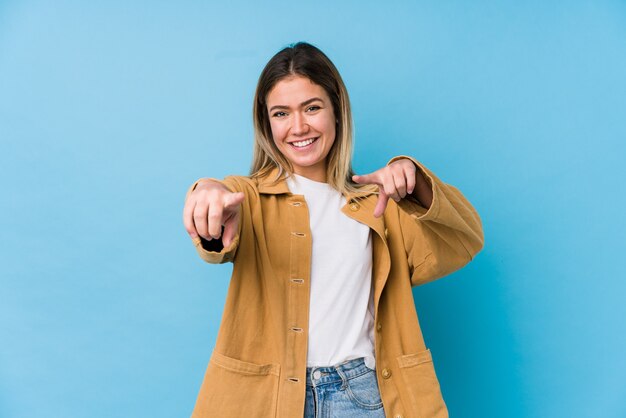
379,326
398,416
386,233
354,206
386,373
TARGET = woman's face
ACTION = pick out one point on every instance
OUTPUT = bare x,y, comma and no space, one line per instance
303,124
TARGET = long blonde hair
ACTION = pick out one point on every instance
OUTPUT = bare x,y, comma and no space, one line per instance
305,60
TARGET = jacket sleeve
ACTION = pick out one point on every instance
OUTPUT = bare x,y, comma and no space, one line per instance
443,238
214,251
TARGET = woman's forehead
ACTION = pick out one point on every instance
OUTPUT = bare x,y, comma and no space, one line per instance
295,90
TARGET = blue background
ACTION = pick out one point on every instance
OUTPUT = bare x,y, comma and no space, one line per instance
109,111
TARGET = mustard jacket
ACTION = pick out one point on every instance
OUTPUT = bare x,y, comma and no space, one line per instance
258,365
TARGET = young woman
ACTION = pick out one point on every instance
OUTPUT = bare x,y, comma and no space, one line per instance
319,319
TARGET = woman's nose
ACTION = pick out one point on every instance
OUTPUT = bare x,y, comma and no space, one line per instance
299,125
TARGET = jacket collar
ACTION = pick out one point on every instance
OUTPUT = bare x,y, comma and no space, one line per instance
267,185
358,206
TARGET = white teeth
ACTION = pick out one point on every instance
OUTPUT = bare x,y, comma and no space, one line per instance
303,143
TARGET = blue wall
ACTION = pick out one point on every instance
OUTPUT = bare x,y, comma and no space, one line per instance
108,111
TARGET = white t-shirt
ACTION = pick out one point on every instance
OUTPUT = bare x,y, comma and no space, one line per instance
341,316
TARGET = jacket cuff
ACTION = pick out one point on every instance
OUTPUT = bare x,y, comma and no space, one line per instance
211,252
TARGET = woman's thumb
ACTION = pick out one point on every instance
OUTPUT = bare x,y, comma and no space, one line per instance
230,228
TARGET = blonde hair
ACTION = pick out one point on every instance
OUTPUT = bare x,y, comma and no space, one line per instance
305,60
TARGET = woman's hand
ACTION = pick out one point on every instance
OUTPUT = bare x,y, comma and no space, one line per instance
210,206
395,181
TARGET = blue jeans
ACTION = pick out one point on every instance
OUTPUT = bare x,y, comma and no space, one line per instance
349,389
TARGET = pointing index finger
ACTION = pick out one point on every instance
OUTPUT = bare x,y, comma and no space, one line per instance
371,178
233,199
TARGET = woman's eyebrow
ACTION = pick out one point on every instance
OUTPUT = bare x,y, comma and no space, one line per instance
304,103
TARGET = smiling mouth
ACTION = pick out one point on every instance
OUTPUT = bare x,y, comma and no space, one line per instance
305,143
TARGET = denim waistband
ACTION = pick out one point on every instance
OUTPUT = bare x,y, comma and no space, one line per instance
338,373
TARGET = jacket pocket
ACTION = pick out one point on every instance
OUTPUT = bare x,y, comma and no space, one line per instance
418,374
235,388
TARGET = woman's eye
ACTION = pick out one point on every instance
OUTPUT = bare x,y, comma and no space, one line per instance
312,108
279,114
